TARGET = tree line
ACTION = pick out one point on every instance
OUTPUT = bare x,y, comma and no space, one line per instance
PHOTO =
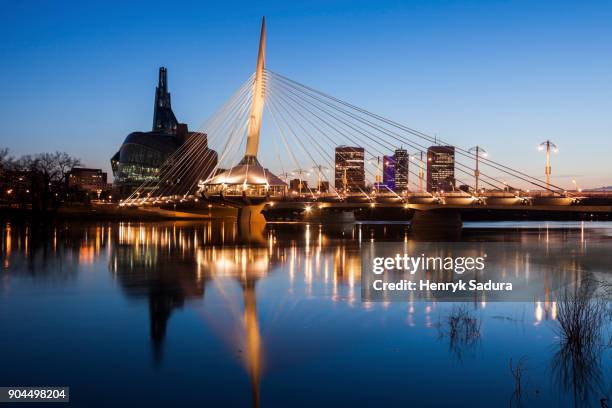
37,182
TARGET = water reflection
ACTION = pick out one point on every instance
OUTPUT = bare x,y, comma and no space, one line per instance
178,258
170,265
577,365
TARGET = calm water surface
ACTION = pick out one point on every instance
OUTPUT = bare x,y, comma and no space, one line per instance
171,314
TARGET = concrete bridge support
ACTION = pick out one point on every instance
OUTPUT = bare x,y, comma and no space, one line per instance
251,223
251,214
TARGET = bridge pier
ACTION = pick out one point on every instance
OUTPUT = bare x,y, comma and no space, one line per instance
251,214
251,223
436,224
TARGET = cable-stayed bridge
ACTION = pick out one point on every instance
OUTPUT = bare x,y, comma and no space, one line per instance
305,128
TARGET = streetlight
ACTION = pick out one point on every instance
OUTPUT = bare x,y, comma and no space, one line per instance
300,173
478,153
421,168
319,168
377,177
285,176
547,144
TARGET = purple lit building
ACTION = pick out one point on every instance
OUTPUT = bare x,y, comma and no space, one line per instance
389,172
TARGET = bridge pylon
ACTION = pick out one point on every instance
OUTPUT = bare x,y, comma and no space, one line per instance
248,184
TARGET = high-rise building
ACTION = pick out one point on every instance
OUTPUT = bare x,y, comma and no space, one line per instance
142,154
441,168
389,172
401,170
350,171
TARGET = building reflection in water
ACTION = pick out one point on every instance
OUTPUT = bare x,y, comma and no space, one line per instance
171,263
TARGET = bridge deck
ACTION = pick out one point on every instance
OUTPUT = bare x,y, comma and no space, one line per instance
459,207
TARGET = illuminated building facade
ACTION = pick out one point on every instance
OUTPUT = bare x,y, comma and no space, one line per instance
441,168
401,170
142,154
90,180
389,172
350,171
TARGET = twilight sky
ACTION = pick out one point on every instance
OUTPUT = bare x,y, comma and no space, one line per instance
79,76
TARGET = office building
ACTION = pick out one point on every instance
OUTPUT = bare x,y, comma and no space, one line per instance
401,170
350,171
440,168
88,180
388,179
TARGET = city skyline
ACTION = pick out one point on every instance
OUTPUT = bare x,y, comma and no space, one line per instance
55,101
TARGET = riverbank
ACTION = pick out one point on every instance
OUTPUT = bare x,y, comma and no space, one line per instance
113,212
110,212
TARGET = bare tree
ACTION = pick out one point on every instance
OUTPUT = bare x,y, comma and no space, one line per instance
3,156
462,328
6,161
47,175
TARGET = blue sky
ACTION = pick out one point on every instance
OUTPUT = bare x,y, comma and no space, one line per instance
79,76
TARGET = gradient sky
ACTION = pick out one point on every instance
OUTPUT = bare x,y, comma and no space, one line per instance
79,76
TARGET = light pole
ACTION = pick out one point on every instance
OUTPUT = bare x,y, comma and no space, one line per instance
421,169
377,177
300,173
319,169
404,171
548,170
285,176
478,152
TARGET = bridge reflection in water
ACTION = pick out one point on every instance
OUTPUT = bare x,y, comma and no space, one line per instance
174,264
171,264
